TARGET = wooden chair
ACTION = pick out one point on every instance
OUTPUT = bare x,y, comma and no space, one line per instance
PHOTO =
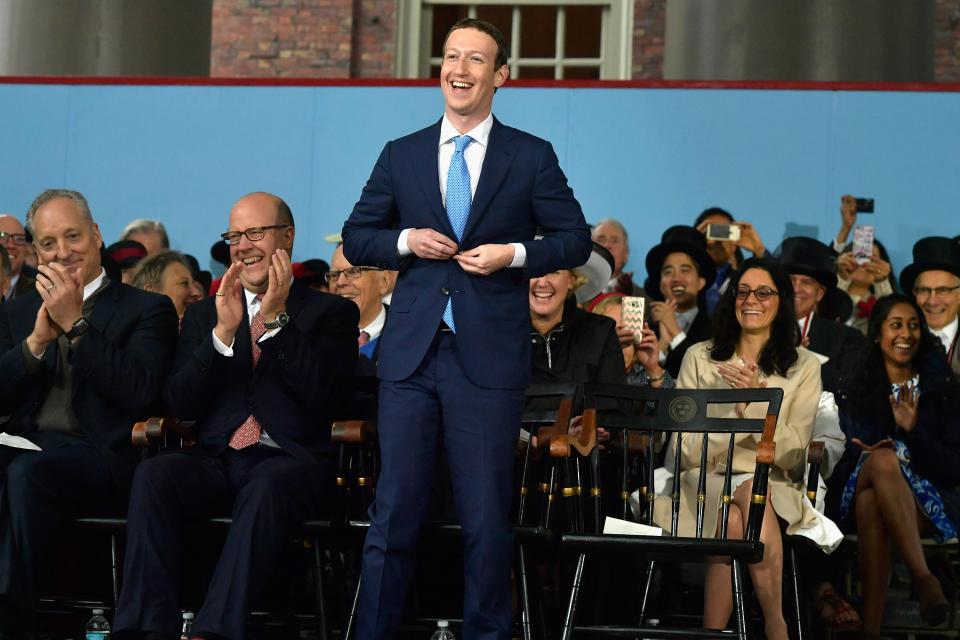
674,413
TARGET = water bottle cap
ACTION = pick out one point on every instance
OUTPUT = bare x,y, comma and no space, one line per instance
443,624
188,615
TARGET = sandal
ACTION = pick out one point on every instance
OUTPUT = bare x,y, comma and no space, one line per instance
840,607
934,607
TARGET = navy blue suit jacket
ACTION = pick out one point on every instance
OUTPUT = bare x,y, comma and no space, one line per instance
521,192
119,366
295,388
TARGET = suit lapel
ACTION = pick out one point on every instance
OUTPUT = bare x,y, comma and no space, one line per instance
105,306
426,167
496,164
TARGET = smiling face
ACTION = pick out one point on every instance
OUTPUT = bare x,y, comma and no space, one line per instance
611,238
17,251
939,309
258,210
366,290
178,284
807,293
680,281
469,76
900,335
63,234
756,316
548,293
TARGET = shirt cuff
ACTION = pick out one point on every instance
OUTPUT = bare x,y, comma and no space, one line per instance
519,256
269,334
221,348
402,248
837,247
31,361
677,339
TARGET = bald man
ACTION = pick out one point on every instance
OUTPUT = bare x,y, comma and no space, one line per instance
13,238
257,368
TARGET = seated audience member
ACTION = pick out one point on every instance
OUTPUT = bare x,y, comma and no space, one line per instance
813,273
168,273
13,238
83,357
150,233
754,345
899,475
201,278
365,287
610,234
726,254
934,280
641,356
125,255
258,367
679,269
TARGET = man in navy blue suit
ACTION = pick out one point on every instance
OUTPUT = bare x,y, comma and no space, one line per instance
455,208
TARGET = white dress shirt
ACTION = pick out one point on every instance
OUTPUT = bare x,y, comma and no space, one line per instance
13,285
473,155
376,326
253,308
947,334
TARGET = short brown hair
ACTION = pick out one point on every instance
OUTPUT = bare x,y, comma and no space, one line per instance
487,28
149,271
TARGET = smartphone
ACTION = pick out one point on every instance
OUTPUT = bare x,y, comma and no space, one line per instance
863,243
864,205
632,315
728,232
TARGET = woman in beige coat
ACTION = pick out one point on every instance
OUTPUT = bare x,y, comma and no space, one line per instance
754,345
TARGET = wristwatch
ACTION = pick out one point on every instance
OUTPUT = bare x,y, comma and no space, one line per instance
280,321
78,329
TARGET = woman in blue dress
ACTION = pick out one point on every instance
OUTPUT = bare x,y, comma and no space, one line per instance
898,478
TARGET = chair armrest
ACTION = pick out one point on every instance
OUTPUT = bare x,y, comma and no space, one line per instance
353,431
815,459
153,430
766,453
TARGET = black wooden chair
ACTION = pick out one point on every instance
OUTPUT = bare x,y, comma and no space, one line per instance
674,413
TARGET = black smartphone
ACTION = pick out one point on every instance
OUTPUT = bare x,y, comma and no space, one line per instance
864,205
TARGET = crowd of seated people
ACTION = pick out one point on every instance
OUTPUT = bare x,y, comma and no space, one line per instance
867,361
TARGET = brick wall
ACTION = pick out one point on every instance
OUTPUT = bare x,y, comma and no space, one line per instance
649,26
946,54
374,36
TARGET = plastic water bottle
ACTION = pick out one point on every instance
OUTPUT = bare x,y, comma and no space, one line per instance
97,627
443,631
185,633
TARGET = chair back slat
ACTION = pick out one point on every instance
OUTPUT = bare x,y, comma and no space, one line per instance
651,495
702,484
675,494
726,497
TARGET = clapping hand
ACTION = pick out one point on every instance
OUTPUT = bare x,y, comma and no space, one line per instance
886,443
904,406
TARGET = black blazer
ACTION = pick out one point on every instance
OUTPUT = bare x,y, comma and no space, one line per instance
844,346
119,367
294,391
698,331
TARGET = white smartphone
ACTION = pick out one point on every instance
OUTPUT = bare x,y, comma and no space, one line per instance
727,232
632,315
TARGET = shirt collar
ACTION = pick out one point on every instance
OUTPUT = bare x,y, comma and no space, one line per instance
250,297
948,333
686,318
374,328
480,133
94,284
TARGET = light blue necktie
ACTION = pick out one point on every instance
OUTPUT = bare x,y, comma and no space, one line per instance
458,203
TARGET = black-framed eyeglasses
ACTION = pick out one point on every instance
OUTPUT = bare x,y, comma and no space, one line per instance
924,292
18,238
760,293
253,233
352,273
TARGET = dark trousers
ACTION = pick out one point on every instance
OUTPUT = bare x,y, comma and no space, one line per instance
478,428
267,492
40,492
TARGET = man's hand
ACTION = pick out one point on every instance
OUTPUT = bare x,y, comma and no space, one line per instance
665,313
278,288
44,332
486,258
230,304
750,238
430,244
62,293
848,217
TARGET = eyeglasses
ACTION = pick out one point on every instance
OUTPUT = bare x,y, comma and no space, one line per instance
924,292
18,238
352,273
762,293
253,233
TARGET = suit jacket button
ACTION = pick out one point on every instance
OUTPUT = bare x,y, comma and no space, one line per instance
445,291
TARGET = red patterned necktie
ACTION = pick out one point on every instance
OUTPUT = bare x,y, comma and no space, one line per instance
249,432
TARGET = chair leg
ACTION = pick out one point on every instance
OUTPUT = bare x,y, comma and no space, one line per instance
568,621
114,569
795,587
651,567
350,628
321,605
739,610
526,612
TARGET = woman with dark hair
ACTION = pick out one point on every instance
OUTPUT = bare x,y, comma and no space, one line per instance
898,477
754,345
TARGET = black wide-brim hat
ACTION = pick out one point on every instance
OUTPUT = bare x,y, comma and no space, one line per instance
933,253
598,269
220,252
678,239
809,257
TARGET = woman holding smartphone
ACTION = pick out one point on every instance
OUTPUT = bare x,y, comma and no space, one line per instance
897,480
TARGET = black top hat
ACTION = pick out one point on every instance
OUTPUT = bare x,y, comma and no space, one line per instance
808,257
934,253
678,239
220,253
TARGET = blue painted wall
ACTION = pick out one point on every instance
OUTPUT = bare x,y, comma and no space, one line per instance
651,157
